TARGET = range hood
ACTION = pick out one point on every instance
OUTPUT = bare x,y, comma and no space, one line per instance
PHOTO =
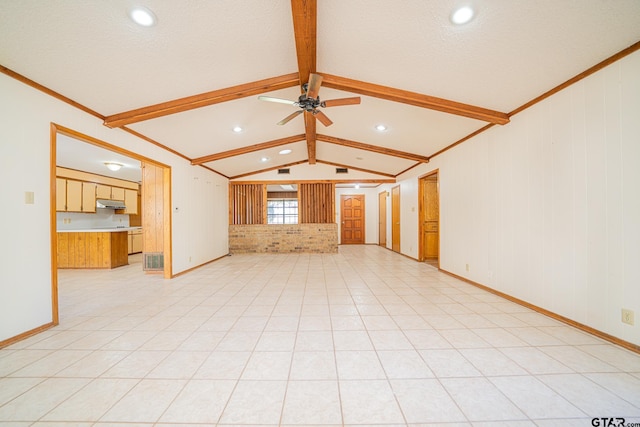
110,204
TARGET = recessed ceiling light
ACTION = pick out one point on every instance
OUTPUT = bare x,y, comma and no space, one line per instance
264,159
286,151
142,16
359,158
357,186
237,129
462,15
381,128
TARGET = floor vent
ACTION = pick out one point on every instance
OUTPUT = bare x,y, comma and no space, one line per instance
153,261
342,170
283,171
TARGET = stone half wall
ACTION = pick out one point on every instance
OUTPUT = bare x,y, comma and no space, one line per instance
285,238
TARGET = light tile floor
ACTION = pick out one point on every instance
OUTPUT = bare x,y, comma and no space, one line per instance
363,337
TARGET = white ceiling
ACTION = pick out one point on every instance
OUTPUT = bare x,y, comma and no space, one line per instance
510,53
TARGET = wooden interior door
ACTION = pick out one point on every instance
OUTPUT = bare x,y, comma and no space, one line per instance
430,217
395,218
382,219
352,214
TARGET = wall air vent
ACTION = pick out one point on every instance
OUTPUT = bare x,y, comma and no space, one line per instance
342,170
283,171
153,261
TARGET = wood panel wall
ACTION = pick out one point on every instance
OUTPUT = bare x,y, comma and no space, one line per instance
152,208
247,204
316,203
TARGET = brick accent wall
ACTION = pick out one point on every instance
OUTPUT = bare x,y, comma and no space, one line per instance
285,238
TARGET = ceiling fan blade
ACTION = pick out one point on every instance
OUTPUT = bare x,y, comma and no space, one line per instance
340,101
315,80
280,100
322,117
290,117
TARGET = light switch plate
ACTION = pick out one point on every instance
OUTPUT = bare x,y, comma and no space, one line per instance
29,198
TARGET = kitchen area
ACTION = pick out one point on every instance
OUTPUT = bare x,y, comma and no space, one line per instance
98,207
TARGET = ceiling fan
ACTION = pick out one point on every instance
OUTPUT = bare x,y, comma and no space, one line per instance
310,101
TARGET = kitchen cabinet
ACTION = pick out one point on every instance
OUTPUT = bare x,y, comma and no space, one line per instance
88,197
88,249
74,196
61,194
135,241
131,201
117,193
103,191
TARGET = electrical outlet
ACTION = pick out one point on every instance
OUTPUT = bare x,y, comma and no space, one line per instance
627,316
467,267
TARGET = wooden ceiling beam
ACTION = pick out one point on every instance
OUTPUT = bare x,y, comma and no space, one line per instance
373,148
310,135
416,99
305,17
390,175
248,149
201,100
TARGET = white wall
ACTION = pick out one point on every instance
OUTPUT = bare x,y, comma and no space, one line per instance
199,226
547,208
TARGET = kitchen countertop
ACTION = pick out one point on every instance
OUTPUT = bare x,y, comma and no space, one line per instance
100,230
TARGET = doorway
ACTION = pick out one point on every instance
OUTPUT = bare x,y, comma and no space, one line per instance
352,214
159,207
429,211
395,219
382,218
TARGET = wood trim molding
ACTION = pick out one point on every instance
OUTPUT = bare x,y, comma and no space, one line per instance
415,99
248,149
373,148
53,227
49,92
201,100
189,270
408,169
390,175
603,335
315,181
27,334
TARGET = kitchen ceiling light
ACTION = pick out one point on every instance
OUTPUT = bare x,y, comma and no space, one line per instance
143,16
113,166
381,128
357,186
286,151
462,15
237,129
264,159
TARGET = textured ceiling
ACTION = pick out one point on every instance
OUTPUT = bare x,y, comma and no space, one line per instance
510,53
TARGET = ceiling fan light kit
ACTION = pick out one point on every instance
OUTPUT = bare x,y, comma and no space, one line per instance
310,102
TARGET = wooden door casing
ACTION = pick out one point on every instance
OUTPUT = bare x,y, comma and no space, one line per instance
395,219
352,217
382,218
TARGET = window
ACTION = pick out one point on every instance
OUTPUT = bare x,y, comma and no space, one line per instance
282,211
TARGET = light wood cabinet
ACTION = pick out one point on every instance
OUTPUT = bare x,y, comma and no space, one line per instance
131,202
135,241
74,196
92,249
103,191
117,193
88,197
61,194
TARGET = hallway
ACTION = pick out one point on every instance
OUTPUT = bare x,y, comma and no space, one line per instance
362,337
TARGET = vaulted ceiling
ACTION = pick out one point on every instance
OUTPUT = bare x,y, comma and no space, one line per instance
186,82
